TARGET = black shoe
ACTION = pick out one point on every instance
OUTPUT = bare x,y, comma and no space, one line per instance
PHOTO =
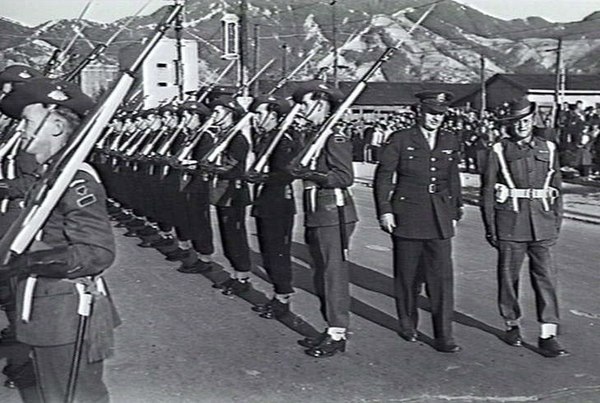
444,346
178,254
197,267
408,335
550,347
313,341
145,244
130,234
234,286
327,348
513,337
273,309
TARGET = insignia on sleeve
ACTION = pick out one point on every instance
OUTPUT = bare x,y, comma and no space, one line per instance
85,198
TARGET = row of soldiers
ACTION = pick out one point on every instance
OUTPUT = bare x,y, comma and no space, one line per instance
164,168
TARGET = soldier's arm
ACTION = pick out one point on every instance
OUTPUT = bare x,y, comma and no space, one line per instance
557,184
338,156
486,195
455,183
90,246
383,184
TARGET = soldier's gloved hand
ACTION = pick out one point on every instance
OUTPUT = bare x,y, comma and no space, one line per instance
256,177
387,221
492,240
310,175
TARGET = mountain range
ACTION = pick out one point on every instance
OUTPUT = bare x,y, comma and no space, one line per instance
446,48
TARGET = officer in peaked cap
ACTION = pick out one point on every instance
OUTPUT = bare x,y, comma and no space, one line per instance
521,205
75,247
419,210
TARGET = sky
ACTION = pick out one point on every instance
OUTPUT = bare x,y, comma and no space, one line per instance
35,12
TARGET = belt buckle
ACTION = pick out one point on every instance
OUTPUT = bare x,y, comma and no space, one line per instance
431,188
529,194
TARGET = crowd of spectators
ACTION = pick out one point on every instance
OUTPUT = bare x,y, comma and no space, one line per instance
576,131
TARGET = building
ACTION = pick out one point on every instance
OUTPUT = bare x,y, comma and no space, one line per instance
539,88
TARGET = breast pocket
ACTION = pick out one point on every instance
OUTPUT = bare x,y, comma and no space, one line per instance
415,161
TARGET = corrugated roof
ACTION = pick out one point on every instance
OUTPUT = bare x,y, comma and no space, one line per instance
548,81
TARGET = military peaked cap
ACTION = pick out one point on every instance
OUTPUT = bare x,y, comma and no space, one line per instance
435,101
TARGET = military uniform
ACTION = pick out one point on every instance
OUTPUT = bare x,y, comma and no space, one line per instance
326,224
425,199
524,224
274,209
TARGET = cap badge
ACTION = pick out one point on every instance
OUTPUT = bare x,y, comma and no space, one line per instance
441,97
323,86
25,74
58,95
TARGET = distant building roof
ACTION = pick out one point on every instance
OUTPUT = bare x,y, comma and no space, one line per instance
383,93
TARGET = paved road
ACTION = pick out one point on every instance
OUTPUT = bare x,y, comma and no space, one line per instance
182,341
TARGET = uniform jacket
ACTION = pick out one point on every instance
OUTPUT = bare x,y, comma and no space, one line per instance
229,188
419,185
528,165
335,160
275,197
80,223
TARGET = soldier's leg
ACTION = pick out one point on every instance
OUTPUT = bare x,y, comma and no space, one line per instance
543,276
274,236
510,259
234,238
440,285
326,247
53,365
407,256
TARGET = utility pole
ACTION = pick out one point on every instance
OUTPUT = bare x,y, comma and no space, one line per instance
558,83
483,88
179,62
284,48
243,46
334,42
255,59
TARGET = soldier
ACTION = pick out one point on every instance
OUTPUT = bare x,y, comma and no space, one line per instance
274,206
75,246
194,228
230,194
420,208
522,211
329,216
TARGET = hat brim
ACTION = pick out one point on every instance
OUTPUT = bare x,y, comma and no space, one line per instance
518,116
434,108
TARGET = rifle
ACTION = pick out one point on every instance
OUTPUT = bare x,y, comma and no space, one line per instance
97,51
187,149
45,194
262,160
316,144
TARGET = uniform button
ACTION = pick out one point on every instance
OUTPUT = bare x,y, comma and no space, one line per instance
433,179
433,159
410,157
433,169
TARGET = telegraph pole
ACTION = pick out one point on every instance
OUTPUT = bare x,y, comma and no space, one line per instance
558,83
483,88
334,42
255,59
243,46
179,62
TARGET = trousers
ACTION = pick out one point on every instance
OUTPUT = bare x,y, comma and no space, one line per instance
429,260
542,273
331,276
275,242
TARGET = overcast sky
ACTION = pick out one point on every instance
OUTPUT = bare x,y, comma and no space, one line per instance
34,12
